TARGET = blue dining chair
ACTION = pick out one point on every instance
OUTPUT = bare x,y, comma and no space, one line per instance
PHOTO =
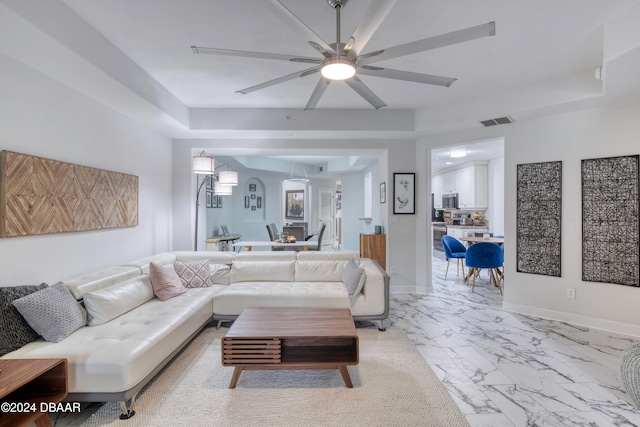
453,249
485,255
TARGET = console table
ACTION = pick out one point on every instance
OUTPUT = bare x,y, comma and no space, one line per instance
25,384
374,246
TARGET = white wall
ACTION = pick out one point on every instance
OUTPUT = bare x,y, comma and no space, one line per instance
404,240
39,116
495,213
569,138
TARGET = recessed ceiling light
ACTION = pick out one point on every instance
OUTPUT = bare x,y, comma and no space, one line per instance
448,163
457,154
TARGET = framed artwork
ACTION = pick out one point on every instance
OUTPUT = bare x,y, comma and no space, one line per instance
209,182
253,208
209,194
538,218
383,192
246,202
219,201
253,196
404,193
214,200
252,187
610,220
259,202
294,204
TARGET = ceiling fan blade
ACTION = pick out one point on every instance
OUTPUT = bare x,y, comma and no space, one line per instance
279,80
406,75
295,23
371,20
362,89
320,49
248,54
322,85
471,33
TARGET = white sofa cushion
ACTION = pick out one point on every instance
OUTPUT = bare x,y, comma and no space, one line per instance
220,274
327,255
100,279
108,303
319,271
214,257
266,256
263,271
238,296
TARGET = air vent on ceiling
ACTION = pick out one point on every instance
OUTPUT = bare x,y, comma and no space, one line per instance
497,121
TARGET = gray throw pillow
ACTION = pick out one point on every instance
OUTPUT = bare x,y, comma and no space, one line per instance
14,330
353,278
52,312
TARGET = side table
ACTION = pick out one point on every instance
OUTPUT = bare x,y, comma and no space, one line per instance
25,384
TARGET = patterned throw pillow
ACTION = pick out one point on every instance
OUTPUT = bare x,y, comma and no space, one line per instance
194,274
52,312
14,330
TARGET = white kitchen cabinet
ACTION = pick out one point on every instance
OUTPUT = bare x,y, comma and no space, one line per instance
470,182
436,189
458,232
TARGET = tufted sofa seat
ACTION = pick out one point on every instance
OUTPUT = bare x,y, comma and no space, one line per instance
114,360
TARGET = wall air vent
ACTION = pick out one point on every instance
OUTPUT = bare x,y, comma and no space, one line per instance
497,121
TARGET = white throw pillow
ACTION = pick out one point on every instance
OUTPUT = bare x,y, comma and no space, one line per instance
353,278
108,303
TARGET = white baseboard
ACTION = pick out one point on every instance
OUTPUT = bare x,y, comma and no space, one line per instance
576,319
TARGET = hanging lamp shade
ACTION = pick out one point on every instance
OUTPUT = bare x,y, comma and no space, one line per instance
222,190
228,177
203,165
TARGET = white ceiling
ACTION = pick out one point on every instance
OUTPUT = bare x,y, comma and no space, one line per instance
485,150
541,61
534,40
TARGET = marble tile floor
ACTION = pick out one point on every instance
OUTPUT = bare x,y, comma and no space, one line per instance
504,369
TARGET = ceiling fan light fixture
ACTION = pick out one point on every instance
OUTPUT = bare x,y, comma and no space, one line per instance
339,68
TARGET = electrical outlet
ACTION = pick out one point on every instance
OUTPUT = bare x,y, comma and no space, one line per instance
571,293
392,270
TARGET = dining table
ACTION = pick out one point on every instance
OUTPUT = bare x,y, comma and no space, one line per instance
477,239
250,244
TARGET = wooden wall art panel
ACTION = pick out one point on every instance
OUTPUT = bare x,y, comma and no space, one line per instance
44,196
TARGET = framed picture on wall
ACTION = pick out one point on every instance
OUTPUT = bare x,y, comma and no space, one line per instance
259,202
219,201
252,187
404,193
383,192
214,200
294,204
209,194
246,202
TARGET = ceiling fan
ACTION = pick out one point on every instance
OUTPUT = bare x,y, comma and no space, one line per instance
344,61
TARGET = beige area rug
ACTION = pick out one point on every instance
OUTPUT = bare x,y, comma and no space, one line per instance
393,386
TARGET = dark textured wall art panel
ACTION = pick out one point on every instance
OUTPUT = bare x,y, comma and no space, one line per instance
610,220
538,222
43,196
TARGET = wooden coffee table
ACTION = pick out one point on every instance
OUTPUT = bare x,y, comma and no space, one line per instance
291,338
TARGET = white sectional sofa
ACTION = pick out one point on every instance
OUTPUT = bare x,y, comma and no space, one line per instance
140,334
